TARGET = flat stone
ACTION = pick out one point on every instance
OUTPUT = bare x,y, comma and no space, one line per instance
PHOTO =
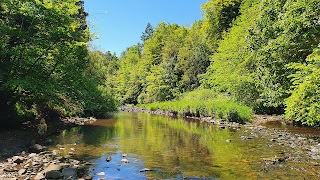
22,171
52,167
101,174
39,176
88,178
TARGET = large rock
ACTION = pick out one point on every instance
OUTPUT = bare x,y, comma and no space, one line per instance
54,175
48,142
17,159
69,173
36,148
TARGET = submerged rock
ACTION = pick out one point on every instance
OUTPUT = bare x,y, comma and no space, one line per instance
125,160
101,174
275,160
54,174
145,169
108,159
69,173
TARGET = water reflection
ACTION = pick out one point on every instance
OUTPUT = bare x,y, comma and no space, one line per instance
171,148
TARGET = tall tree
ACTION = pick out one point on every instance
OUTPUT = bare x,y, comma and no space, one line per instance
218,18
128,84
147,32
193,57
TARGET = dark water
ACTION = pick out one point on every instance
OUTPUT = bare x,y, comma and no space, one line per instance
178,149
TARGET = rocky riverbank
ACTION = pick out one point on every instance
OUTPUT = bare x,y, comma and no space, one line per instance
43,165
20,158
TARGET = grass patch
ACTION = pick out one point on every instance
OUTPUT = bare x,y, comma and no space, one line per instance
205,103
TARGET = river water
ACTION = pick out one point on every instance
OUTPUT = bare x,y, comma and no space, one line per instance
174,148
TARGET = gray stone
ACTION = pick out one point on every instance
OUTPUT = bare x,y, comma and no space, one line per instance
69,173
54,174
37,148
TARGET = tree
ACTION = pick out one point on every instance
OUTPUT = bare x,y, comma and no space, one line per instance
128,84
229,72
43,58
147,32
286,32
218,18
193,58
303,105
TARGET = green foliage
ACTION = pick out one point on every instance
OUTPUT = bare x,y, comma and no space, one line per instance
286,32
304,103
250,62
218,18
44,56
166,65
241,49
128,78
228,71
147,32
193,58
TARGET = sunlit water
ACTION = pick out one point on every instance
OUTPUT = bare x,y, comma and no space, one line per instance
176,149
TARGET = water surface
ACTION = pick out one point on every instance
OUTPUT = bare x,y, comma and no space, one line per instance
176,149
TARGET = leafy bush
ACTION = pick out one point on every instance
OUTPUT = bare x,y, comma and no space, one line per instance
304,103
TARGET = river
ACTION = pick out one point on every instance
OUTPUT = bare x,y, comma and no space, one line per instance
174,148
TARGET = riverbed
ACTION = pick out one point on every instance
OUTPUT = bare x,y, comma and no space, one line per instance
146,146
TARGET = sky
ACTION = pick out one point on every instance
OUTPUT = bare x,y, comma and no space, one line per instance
118,24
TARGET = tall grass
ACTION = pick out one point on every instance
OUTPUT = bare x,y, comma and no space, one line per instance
205,103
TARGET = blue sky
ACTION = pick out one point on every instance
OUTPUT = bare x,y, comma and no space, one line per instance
118,24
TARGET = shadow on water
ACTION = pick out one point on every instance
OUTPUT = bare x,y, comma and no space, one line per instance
144,146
